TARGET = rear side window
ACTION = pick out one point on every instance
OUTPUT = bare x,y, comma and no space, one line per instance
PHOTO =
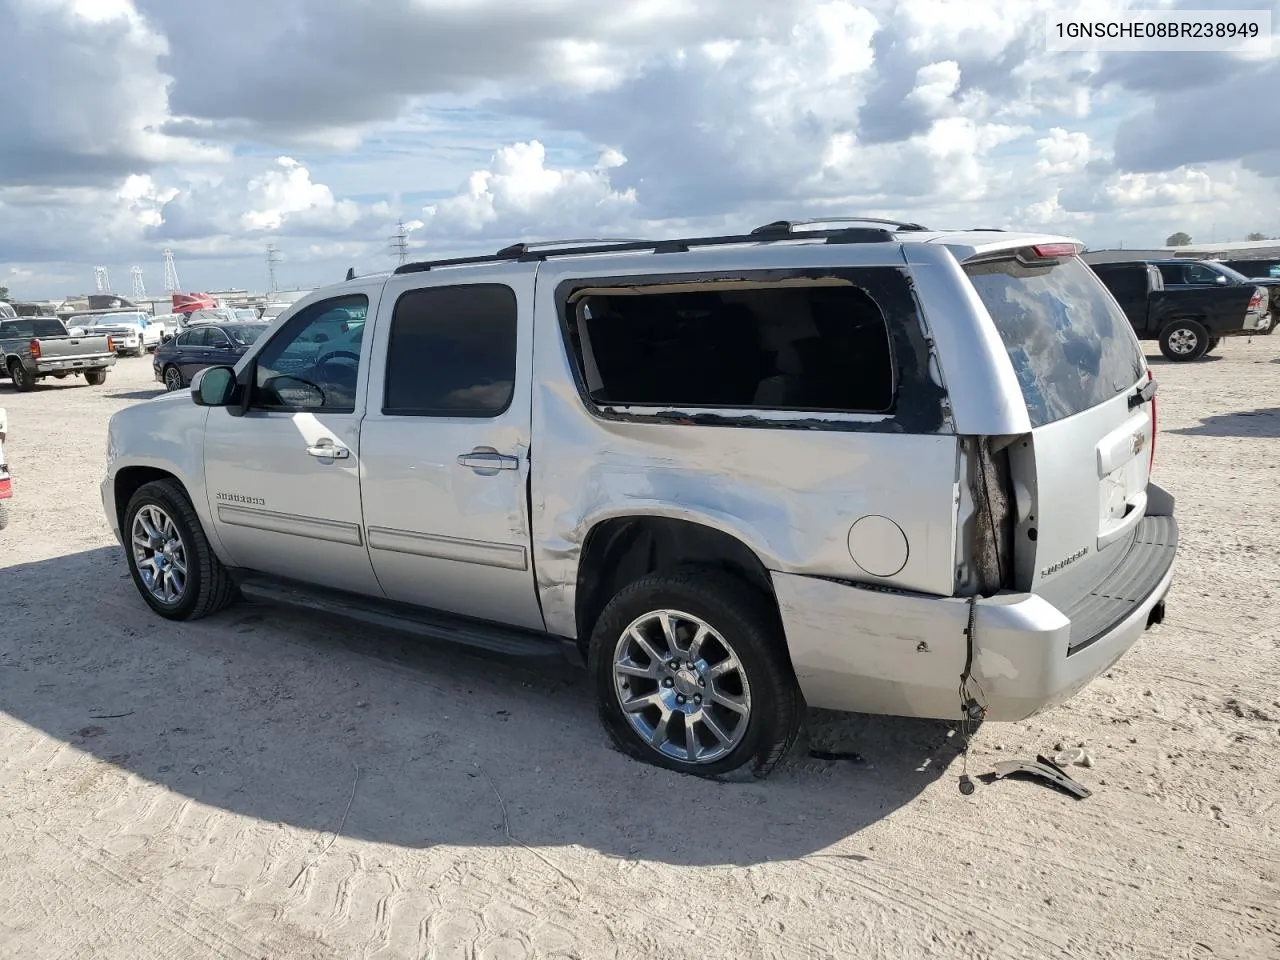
816,346
1071,347
452,352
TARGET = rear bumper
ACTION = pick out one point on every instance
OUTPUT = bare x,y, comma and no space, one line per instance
65,364
868,651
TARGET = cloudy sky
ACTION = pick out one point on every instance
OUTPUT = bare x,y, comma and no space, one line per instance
216,127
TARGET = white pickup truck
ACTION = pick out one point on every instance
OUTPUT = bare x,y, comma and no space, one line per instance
33,348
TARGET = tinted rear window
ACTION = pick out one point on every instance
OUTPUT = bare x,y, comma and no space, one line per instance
1071,347
452,352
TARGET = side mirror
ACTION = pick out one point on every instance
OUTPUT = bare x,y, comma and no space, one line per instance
213,387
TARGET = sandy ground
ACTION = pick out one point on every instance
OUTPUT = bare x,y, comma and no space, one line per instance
264,784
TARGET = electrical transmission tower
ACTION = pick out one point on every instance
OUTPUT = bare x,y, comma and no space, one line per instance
171,282
139,288
273,259
100,280
400,242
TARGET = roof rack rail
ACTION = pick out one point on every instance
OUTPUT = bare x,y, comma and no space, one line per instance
789,226
524,253
520,249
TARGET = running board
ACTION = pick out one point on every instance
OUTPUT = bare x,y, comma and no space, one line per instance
479,635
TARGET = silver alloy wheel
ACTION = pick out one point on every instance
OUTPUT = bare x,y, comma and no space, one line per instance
173,379
160,554
682,686
1183,341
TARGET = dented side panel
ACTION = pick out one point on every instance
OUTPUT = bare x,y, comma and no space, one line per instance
790,493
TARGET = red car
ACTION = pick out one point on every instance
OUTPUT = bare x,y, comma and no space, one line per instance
6,485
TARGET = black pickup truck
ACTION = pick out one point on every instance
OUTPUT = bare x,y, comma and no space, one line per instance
1188,322
1198,274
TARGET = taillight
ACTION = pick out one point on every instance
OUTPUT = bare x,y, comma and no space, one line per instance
35,349
1152,462
1256,300
1048,250
6,488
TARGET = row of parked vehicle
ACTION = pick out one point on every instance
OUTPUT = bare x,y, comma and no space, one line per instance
1188,306
86,344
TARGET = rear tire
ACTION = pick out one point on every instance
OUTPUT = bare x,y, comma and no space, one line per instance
23,382
743,631
206,585
1183,341
95,378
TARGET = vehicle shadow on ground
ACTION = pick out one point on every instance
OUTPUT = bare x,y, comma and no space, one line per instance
1250,423
150,394
268,714
1159,360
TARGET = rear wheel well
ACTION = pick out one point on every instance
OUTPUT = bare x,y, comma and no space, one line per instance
624,549
130,479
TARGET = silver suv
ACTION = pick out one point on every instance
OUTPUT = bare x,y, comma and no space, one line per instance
860,465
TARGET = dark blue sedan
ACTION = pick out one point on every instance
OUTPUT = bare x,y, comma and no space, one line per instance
207,345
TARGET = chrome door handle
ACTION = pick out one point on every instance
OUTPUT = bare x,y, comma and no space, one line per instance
488,460
328,451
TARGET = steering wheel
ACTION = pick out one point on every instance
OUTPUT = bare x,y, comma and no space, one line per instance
337,354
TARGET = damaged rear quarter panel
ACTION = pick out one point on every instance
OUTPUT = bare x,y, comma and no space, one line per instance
789,493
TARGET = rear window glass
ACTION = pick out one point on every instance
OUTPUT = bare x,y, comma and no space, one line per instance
1071,346
452,352
814,348
47,327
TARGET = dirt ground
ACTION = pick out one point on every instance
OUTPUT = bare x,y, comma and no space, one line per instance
267,784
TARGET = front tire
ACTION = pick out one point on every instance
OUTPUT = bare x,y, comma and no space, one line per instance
95,378
170,560
1183,341
691,674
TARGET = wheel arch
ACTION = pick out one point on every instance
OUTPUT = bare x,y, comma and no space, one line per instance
621,549
129,480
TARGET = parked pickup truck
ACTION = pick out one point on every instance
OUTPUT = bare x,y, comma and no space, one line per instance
1199,274
1188,322
33,348
869,468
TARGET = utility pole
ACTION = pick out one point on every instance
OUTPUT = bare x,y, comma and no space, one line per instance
400,242
139,288
101,282
273,259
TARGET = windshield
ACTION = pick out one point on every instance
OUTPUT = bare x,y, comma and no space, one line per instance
1071,346
1234,275
246,333
116,319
